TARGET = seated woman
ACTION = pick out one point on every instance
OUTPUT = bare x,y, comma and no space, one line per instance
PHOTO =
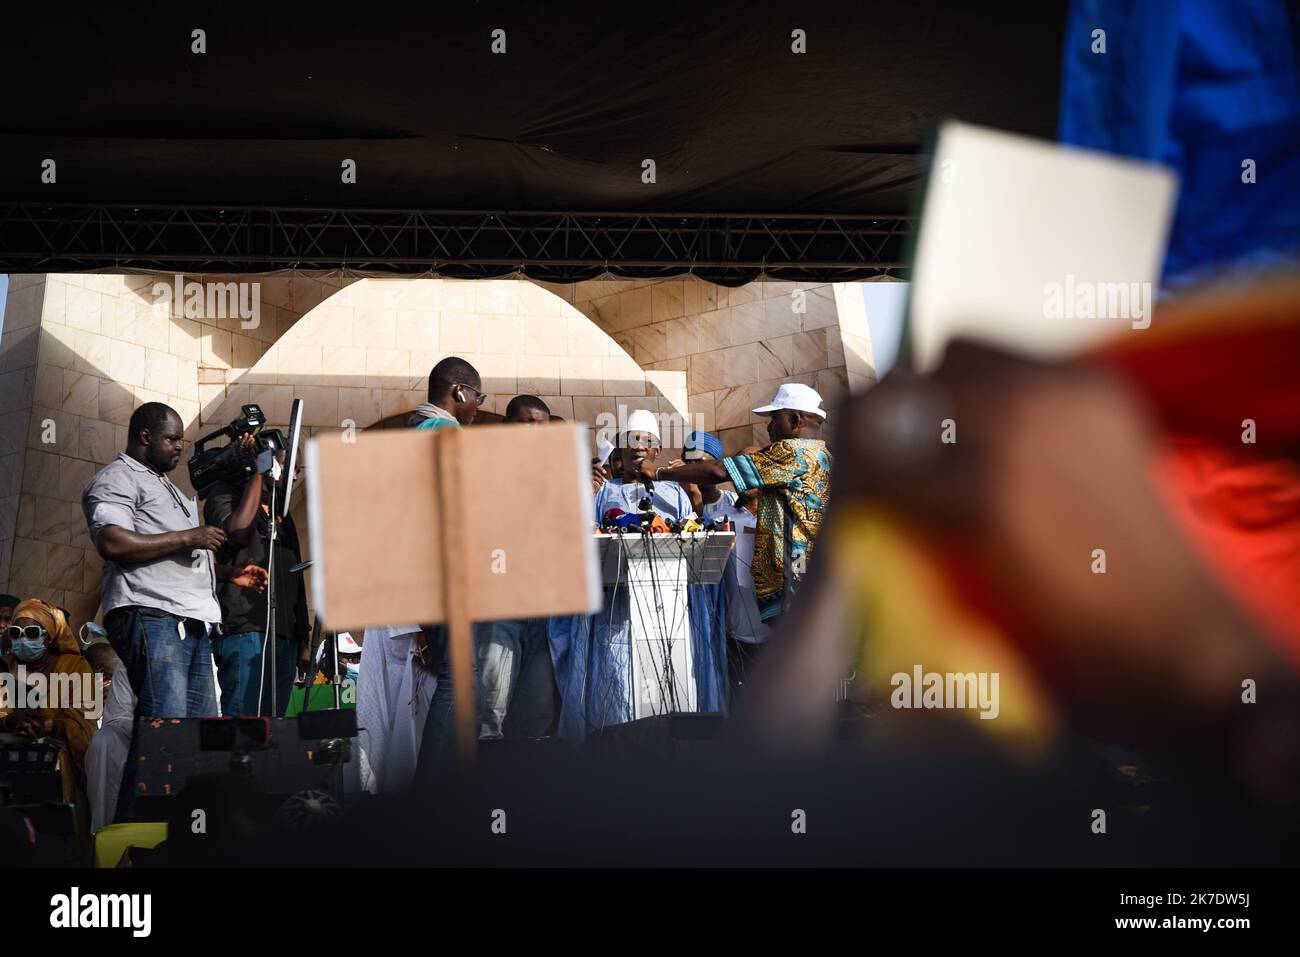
42,644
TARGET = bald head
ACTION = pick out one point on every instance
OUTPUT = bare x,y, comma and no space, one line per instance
156,436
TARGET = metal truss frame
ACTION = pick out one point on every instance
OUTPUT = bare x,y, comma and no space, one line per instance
728,248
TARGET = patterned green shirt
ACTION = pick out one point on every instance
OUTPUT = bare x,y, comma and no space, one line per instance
797,471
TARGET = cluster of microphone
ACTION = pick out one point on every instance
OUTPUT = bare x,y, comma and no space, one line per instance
647,522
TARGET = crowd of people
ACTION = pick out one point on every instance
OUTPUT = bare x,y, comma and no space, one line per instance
186,631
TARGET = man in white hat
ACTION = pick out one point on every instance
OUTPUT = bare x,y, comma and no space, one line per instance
793,478
639,442
591,653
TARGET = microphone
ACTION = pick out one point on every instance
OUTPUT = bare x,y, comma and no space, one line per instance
649,491
615,519
629,520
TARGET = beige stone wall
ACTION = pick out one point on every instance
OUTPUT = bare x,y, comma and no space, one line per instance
736,345
80,352
19,356
364,355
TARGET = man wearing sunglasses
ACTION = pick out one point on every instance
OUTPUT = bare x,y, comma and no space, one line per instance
159,586
455,394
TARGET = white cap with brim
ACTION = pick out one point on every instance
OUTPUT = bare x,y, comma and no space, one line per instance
347,645
796,397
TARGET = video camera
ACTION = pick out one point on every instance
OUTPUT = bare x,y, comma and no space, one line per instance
227,463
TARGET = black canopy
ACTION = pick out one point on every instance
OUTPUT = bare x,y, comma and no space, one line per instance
530,158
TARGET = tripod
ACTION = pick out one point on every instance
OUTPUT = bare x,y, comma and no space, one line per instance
267,632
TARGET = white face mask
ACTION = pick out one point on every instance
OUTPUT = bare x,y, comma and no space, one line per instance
353,674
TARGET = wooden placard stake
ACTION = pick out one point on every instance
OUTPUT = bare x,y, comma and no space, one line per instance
455,586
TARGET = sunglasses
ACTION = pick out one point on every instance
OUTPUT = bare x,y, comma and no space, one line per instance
479,397
30,631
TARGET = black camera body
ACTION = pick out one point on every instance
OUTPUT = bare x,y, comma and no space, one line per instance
227,463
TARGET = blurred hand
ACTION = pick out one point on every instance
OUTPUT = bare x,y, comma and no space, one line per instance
644,471
249,576
304,663
1049,464
26,722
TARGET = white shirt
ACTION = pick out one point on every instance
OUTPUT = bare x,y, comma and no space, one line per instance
720,509
744,622
393,696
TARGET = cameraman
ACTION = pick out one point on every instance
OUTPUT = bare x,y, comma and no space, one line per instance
159,601
243,512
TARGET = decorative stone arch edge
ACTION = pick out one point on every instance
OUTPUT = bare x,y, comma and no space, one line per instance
363,356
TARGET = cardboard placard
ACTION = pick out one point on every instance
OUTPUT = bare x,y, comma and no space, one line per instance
508,508
1033,246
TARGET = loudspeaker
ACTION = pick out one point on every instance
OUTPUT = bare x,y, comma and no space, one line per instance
168,753
29,774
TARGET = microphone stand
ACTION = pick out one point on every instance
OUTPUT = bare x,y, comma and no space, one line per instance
647,503
272,636
338,683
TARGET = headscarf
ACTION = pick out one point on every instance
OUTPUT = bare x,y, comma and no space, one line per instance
51,619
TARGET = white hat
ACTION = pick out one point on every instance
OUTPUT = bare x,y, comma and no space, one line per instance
795,396
347,645
642,420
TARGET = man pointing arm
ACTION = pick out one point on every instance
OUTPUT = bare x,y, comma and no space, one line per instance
792,477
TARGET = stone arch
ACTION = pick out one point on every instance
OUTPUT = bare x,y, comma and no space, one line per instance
361,358
363,355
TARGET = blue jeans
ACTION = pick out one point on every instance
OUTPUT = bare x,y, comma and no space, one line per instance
516,679
438,742
169,662
239,672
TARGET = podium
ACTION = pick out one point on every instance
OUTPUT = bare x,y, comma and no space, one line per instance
656,571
